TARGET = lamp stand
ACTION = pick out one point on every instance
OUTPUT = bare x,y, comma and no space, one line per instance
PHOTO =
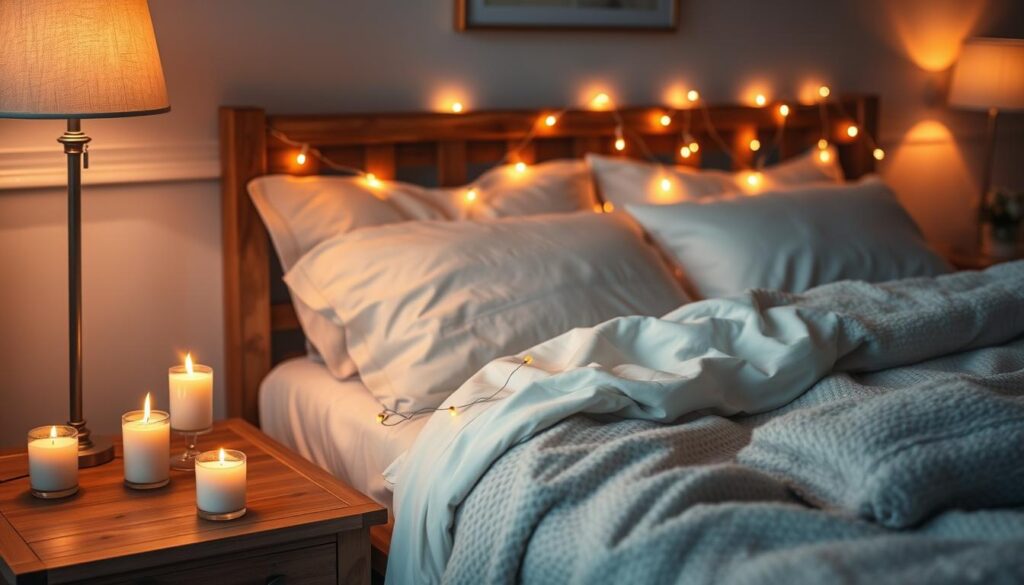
986,178
91,451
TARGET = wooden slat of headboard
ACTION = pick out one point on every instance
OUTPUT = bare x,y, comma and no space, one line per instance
386,144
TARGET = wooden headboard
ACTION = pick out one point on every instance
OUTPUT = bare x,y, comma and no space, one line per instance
261,328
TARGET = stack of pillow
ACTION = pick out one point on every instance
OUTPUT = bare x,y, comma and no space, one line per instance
415,289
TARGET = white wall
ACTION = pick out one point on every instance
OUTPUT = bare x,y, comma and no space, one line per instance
152,250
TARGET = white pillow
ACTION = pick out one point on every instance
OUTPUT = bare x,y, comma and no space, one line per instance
426,304
301,212
625,181
791,240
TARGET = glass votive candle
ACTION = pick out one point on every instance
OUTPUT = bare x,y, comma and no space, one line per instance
220,484
146,436
191,399
53,461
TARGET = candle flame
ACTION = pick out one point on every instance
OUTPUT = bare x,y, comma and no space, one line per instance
188,362
145,410
222,454
53,433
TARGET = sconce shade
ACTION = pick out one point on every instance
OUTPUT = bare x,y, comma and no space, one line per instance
79,59
989,74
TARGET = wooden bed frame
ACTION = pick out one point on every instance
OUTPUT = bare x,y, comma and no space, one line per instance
261,328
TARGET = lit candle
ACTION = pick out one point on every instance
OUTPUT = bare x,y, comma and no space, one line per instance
220,484
146,435
53,461
191,388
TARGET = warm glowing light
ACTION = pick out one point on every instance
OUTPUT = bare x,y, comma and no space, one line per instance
824,91
685,152
145,409
665,120
597,208
754,179
470,195
760,100
783,110
755,145
692,95
520,167
694,146
852,130
221,455
300,159
381,417
666,185
822,144
550,120
608,207
878,153
528,360
53,432
824,155
452,411
620,144
601,101
372,180
188,362
456,107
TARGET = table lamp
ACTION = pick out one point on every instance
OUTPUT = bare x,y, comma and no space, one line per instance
74,59
989,76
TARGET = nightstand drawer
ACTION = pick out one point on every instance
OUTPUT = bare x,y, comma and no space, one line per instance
315,565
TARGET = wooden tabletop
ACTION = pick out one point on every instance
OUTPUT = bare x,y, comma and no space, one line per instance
287,498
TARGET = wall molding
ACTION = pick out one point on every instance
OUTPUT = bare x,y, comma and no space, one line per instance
37,167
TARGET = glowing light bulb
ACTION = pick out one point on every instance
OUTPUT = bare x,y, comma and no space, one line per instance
601,100
692,95
528,360
665,120
852,130
453,411
520,167
372,180
188,363
878,153
824,91
822,144
608,207
550,120
620,144
685,152
783,110
300,159
470,195
694,146
755,145
666,185
381,417
754,179
824,155
760,100
457,107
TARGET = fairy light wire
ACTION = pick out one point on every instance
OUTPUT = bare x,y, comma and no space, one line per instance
387,414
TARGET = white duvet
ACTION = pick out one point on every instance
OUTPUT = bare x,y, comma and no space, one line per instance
746,354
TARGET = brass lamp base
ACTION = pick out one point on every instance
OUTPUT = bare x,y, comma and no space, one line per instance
101,451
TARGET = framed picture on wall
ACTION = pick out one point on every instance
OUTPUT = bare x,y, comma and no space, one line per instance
567,14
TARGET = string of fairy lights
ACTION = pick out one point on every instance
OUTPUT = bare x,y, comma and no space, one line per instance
689,147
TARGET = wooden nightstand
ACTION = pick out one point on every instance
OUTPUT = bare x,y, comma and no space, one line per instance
302,525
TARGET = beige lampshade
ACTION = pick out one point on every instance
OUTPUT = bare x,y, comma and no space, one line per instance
989,74
79,59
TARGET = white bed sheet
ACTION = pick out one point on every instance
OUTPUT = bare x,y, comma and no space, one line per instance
333,423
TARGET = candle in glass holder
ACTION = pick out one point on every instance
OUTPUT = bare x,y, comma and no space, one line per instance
191,393
146,435
53,461
220,484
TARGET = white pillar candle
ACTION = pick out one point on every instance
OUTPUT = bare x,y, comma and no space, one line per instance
146,435
220,481
191,393
53,458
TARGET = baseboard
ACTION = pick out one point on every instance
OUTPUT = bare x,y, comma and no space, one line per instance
31,168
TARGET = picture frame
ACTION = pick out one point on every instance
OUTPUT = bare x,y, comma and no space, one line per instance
620,15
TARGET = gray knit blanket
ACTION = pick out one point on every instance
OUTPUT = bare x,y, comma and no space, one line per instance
889,469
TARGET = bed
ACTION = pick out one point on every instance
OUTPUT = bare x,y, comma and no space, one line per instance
301,405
